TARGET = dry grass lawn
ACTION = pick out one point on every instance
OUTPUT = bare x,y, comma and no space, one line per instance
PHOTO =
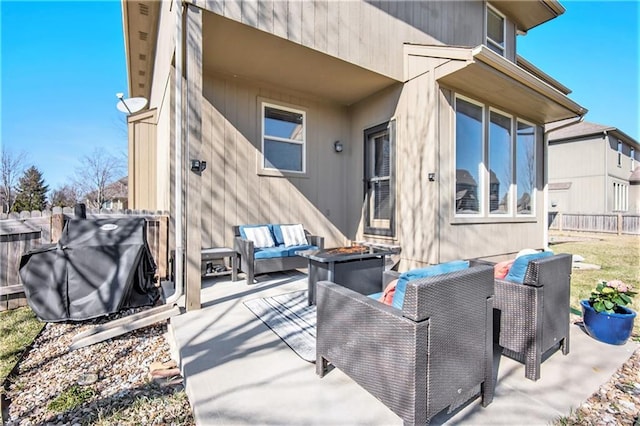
618,257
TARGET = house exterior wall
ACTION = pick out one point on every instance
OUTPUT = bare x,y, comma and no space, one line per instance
581,164
367,33
142,160
590,164
328,200
234,192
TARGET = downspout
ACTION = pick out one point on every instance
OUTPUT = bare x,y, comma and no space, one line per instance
545,193
178,276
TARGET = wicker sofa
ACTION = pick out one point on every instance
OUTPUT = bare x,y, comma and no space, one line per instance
252,264
532,317
436,352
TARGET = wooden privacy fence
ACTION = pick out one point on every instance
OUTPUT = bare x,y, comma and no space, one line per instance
614,223
22,232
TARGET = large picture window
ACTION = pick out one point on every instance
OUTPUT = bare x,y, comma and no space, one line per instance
380,179
283,138
495,162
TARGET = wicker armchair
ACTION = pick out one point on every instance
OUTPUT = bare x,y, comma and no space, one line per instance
434,353
534,316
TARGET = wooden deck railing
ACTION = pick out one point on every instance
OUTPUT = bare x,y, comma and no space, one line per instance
25,231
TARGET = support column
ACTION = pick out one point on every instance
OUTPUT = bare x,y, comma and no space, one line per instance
193,49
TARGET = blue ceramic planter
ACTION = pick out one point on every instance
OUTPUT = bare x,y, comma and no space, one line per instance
614,329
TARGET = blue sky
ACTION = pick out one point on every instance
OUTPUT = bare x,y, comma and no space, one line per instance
61,64
593,49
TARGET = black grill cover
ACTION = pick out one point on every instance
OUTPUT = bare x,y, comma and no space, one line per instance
99,266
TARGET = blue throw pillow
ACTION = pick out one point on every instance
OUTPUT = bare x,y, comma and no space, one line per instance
277,234
519,267
429,271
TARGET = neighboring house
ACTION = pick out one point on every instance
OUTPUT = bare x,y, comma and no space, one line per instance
441,122
590,168
115,194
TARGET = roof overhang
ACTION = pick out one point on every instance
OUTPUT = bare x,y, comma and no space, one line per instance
484,75
530,13
140,26
244,52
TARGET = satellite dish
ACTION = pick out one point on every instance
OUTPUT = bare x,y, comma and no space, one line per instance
131,105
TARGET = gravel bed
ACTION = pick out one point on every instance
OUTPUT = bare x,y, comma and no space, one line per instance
111,380
617,402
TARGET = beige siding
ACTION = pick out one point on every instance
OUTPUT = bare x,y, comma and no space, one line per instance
142,160
582,164
233,191
164,140
370,34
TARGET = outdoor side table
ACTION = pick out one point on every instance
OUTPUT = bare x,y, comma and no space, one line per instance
216,253
358,268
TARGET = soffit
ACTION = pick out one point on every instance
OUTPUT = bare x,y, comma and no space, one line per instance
486,76
242,51
530,13
140,24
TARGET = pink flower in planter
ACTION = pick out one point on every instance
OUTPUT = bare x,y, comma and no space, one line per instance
611,296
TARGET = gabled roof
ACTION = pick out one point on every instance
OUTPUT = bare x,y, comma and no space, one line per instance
583,129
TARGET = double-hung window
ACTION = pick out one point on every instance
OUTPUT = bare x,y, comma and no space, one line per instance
379,179
283,139
495,160
495,30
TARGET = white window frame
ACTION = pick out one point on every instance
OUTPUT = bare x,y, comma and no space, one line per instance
483,167
632,154
512,157
485,173
263,165
535,166
619,154
492,44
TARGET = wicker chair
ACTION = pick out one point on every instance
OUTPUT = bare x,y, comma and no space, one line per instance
534,316
434,353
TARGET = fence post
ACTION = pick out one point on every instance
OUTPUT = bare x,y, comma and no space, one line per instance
57,224
560,221
619,223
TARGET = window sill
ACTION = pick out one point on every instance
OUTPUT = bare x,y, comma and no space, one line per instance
282,174
477,220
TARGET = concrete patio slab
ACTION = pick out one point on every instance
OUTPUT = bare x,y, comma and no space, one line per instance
237,371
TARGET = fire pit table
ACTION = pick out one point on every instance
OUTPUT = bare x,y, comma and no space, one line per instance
358,268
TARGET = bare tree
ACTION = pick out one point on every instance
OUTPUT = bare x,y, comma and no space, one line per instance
11,168
97,171
67,195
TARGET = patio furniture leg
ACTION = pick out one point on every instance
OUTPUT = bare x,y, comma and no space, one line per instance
321,366
488,386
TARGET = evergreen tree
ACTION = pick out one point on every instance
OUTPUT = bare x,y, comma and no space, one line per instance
31,191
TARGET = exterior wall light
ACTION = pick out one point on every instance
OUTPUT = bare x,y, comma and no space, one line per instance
337,146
